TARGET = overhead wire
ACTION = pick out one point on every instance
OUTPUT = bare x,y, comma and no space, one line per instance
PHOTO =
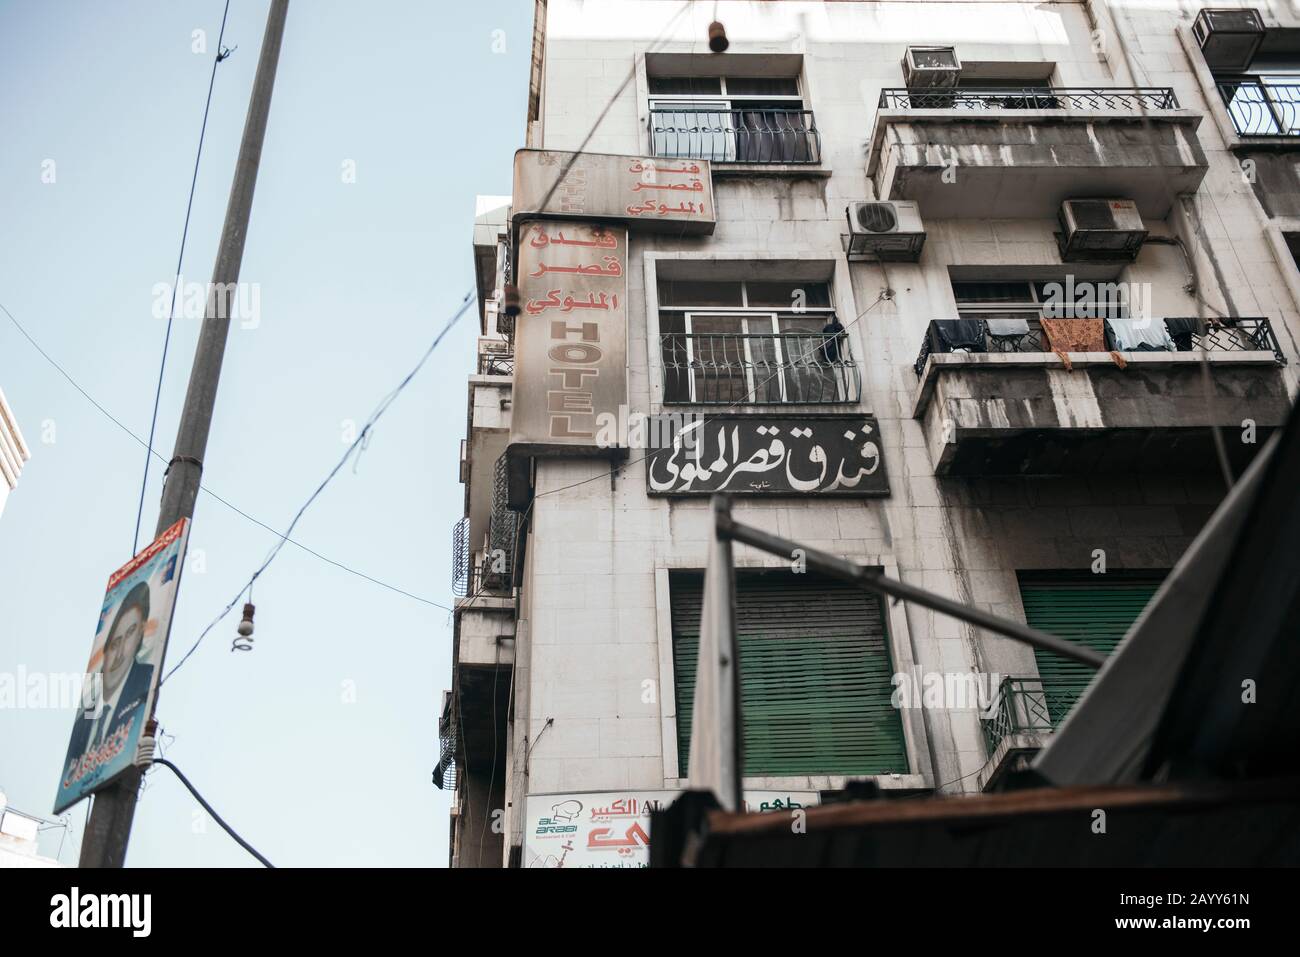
180,257
203,488
356,442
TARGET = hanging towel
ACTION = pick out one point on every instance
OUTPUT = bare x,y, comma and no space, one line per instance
1181,332
955,334
1141,335
1074,335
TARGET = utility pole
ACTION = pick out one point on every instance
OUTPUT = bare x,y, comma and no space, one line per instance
108,828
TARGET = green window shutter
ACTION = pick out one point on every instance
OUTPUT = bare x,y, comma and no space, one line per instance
815,675
1095,611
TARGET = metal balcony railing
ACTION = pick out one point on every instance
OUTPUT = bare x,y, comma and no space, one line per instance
1261,108
1116,99
498,566
444,775
1189,335
736,136
1021,707
460,558
496,363
786,368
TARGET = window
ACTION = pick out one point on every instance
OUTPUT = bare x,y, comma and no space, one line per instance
1093,610
751,342
1065,298
737,119
815,675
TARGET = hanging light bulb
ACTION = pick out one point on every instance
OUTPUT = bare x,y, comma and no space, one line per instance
246,626
718,41
512,308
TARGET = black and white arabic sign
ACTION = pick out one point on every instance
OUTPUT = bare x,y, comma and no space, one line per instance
763,455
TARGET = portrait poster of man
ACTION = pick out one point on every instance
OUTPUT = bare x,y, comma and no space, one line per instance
122,675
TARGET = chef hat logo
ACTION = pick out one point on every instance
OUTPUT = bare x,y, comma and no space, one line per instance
566,811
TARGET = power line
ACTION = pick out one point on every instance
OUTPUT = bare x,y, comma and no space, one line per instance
215,816
361,436
234,508
180,256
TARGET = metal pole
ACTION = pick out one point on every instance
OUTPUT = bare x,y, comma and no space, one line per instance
874,581
108,828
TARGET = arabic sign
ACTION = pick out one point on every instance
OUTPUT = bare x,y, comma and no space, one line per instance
123,668
612,828
647,193
571,338
767,455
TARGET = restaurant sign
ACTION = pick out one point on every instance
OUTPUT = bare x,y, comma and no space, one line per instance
647,193
771,455
612,828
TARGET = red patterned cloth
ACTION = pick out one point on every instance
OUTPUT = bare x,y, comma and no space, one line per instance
1078,335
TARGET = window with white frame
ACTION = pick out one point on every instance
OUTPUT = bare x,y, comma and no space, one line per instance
731,119
753,342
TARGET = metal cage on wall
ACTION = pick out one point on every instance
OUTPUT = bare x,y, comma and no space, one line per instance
460,563
498,565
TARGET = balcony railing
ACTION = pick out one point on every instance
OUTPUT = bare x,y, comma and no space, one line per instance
1262,109
460,558
1188,335
743,369
496,363
1022,706
1117,99
736,136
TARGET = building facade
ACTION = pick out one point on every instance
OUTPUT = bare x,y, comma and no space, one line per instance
995,297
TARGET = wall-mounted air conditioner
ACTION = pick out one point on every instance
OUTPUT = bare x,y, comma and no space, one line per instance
888,231
1229,39
929,68
1100,229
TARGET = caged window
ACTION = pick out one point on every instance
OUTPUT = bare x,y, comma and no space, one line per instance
751,342
758,119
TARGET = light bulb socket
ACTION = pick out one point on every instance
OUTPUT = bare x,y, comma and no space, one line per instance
718,41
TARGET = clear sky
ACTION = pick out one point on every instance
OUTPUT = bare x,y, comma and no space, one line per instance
428,99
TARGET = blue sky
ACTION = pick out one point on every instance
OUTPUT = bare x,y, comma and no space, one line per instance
355,280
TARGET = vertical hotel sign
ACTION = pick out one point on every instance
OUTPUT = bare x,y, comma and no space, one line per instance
571,336
572,212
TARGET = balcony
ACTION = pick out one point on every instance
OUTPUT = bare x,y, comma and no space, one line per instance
948,149
765,137
759,369
1015,726
496,363
1262,108
1003,404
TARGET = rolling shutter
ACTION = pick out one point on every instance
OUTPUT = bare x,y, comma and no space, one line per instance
1095,610
815,675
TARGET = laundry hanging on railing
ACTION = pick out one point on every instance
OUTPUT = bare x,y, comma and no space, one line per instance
1141,335
960,334
1078,335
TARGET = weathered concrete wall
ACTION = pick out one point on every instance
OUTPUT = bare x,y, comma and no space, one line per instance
597,623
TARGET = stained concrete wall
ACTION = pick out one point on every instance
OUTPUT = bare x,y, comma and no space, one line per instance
597,609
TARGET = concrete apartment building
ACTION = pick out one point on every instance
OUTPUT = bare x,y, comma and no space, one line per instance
1057,238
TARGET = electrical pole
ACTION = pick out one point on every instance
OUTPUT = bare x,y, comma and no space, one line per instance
108,828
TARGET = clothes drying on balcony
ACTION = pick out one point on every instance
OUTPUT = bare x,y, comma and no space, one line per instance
1141,335
1078,335
1014,326
832,344
1181,332
960,335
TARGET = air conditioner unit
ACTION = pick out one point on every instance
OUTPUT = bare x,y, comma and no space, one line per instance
887,231
1100,229
1229,39
928,68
